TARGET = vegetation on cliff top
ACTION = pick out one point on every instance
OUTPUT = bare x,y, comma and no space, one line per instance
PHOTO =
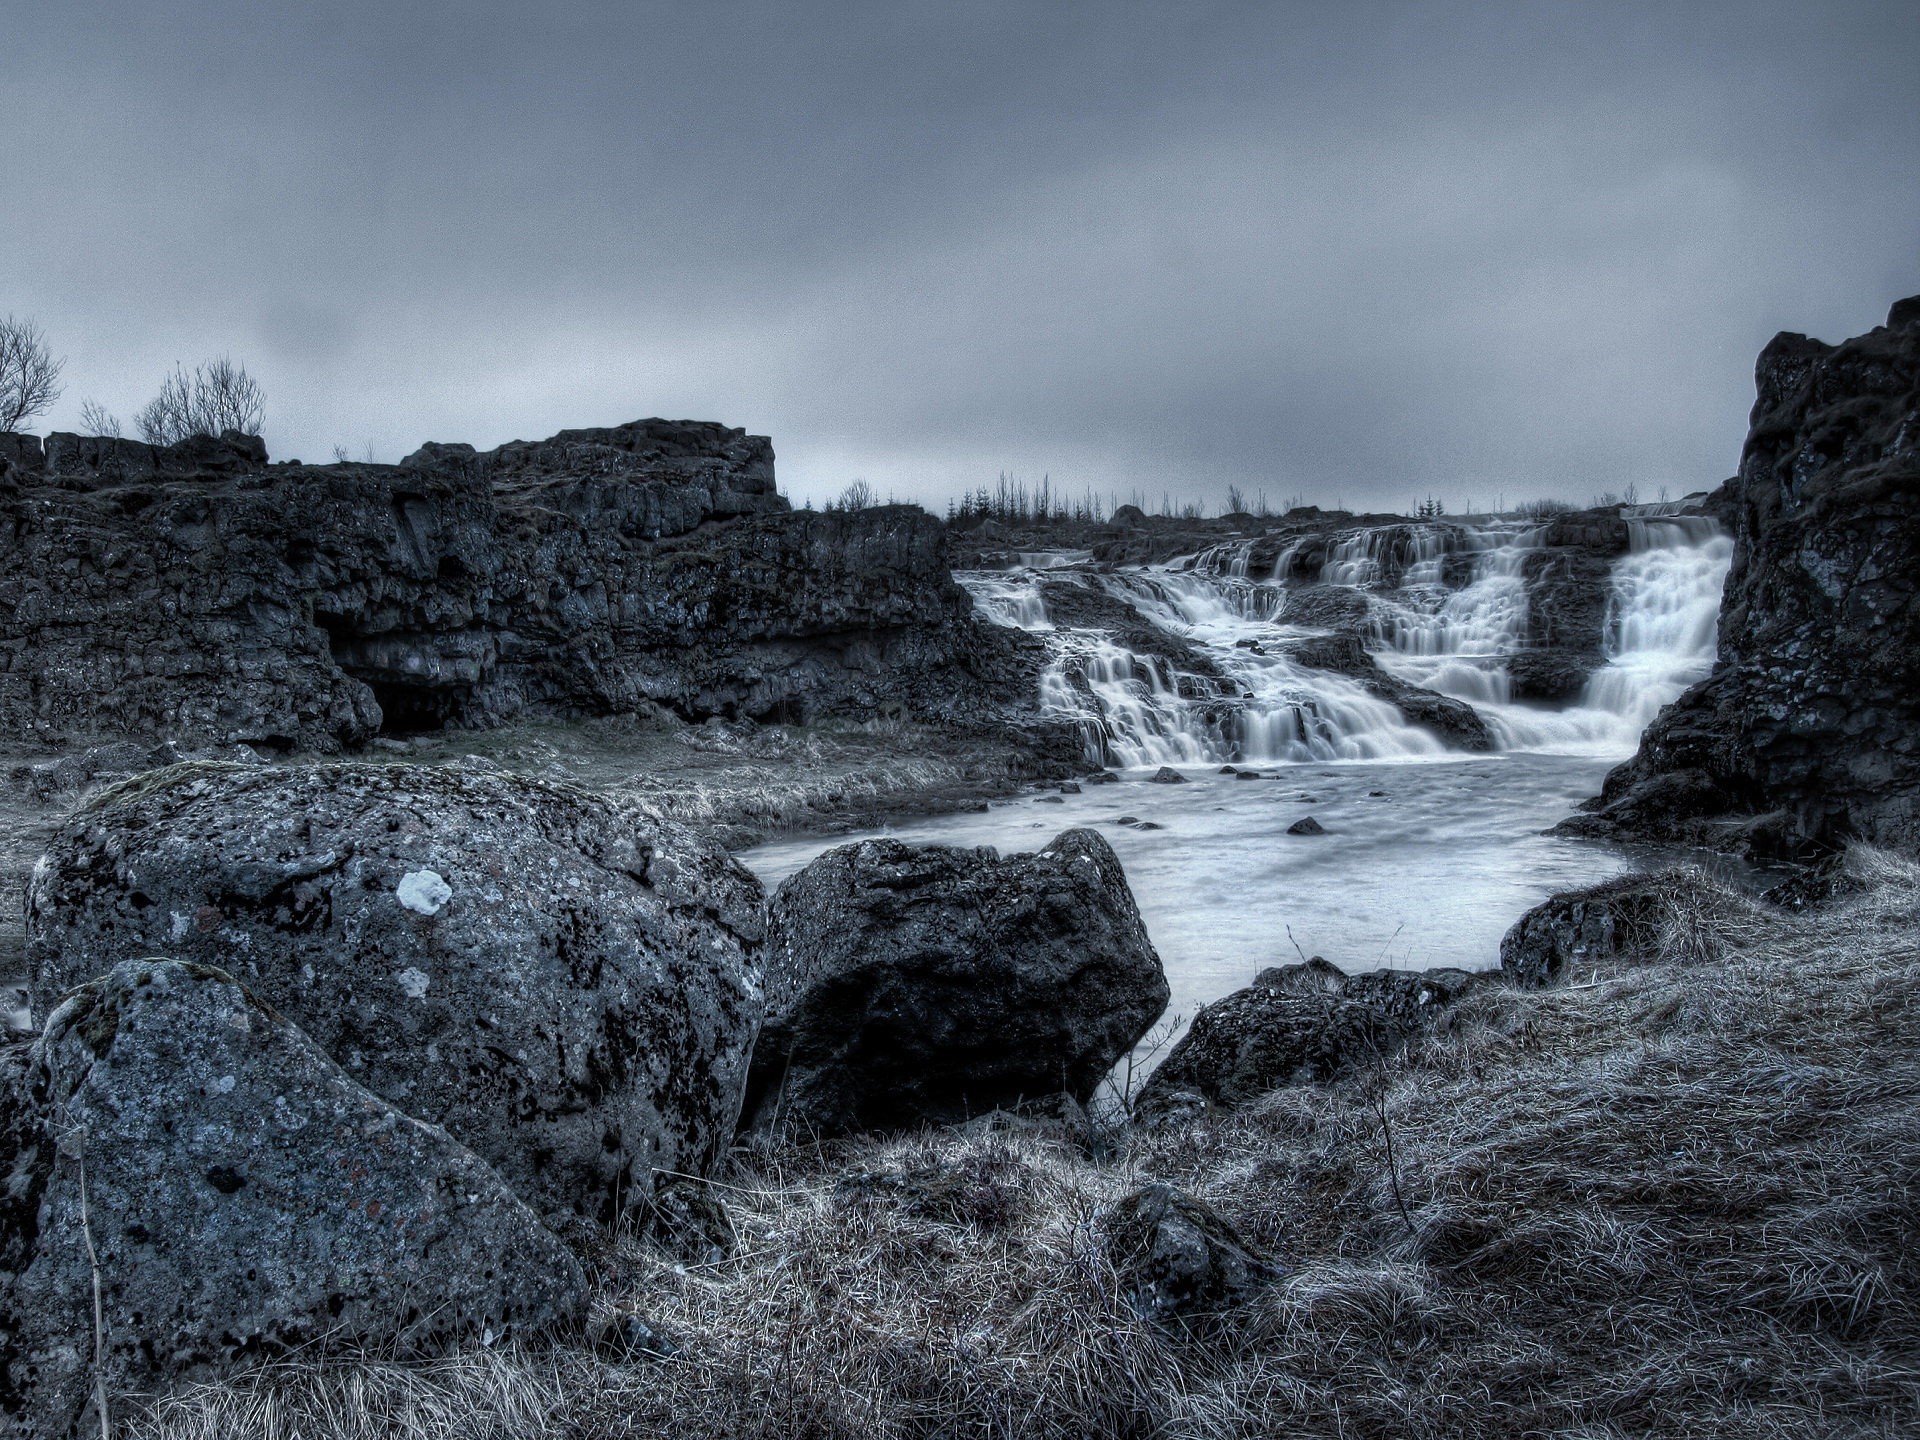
1676,1196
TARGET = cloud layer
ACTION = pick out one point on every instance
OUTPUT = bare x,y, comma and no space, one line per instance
1359,253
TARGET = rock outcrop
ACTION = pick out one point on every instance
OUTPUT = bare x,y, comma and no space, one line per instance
1454,721
234,1195
912,984
1807,733
1618,919
571,990
201,593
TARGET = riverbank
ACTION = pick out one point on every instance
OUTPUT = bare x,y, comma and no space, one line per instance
1677,1196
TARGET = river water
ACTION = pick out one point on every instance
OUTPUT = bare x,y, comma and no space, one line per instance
1429,854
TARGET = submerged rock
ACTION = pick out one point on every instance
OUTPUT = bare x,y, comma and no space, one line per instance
242,1197
927,983
1307,825
570,989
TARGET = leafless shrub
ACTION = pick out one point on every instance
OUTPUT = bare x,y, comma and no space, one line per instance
29,375
96,419
218,396
857,496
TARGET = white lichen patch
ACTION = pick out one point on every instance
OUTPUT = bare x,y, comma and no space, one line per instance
413,982
423,891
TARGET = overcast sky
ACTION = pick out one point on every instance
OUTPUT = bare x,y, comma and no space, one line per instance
1347,252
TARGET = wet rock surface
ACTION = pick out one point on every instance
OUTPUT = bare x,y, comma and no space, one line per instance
913,984
243,1198
203,594
570,989
1807,733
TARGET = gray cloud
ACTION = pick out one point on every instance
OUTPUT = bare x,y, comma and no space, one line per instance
1360,252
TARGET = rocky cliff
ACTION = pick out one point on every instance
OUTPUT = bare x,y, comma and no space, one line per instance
198,591
1807,733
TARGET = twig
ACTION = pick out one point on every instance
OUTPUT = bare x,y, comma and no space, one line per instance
99,1310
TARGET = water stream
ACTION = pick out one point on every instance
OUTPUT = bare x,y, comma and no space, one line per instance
1430,854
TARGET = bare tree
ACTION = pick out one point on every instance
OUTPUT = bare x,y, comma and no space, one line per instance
217,397
857,496
96,419
29,375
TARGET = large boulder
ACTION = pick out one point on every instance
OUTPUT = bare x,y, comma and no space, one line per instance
571,990
229,1193
1807,733
913,984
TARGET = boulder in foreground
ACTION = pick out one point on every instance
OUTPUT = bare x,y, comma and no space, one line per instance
571,990
243,1198
912,984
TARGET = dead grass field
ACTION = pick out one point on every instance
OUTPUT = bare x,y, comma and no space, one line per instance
1674,1197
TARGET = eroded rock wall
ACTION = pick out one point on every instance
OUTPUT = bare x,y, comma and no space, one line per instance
201,592
1807,733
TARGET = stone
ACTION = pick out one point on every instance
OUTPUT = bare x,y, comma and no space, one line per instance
570,989
1296,1024
1167,775
1803,737
689,1221
929,984
1618,919
244,1198
1177,1259
1306,825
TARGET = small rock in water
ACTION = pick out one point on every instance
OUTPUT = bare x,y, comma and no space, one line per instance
423,891
1306,826
1049,800
1069,787
1228,770
1103,777
1249,774
1149,825
1167,775
1128,820
1376,794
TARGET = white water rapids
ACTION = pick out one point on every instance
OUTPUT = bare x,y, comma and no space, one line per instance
1430,854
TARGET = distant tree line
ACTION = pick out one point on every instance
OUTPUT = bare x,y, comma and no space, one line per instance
216,396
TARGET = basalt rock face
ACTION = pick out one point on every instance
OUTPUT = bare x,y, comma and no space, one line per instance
927,984
243,1198
1807,733
199,592
571,990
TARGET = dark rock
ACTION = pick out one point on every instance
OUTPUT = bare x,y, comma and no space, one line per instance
1249,775
1259,1039
687,1220
910,984
1068,787
1807,734
1166,775
630,1338
244,1198
197,593
1148,825
1296,1024
570,989
1176,1257
982,1188
1228,770
1621,918
1307,825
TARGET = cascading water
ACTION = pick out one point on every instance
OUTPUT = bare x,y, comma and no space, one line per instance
1263,707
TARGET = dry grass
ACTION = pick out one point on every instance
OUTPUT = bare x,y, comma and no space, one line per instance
1677,1198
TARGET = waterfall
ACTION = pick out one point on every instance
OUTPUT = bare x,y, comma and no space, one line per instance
1250,703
